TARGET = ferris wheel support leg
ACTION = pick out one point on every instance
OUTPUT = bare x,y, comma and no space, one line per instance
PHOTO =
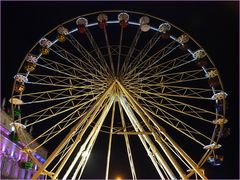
93,136
75,143
130,158
110,141
140,112
90,136
140,109
146,139
72,132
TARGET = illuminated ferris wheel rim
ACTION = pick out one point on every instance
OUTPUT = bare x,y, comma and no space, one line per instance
131,23
119,84
92,24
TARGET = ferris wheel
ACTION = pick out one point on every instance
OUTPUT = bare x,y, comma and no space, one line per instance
121,73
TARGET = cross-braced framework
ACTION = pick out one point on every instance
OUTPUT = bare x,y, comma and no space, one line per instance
156,82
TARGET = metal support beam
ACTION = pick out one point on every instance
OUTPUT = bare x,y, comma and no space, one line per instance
73,131
140,109
145,138
110,141
130,158
136,105
94,135
77,140
132,133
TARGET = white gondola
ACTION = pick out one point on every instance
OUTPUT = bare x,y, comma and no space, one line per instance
102,18
199,54
15,101
164,27
212,146
82,21
18,125
21,78
144,23
123,17
219,96
62,30
212,73
183,39
31,58
220,121
44,42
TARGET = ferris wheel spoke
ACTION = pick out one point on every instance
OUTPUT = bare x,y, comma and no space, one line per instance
171,78
109,50
59,67
179,107
187,108
169,65
183,127
67,121
131,50
182,77
164,67
87,56
66,55
60,108
72,59
188,92
52,98
97,51
75,87
57,128
172,67
60,129
61,82
119,50
173,64
80,71
140,57
51,94
45,100
174,91
173,121
66,73
152,60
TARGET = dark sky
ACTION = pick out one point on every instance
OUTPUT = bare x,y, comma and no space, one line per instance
213,24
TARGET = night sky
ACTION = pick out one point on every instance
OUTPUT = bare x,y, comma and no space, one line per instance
213,24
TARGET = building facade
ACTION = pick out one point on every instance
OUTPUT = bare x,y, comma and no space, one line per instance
12,158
